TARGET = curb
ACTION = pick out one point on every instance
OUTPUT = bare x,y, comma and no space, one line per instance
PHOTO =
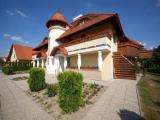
139,98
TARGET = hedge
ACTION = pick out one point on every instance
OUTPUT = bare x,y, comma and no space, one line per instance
70,91
36,79
20,65
8,70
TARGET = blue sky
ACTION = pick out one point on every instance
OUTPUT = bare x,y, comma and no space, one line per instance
23,21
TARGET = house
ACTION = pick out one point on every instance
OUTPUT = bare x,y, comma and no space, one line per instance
91,42
20,53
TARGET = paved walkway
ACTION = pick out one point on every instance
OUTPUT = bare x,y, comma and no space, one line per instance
119,101
15,105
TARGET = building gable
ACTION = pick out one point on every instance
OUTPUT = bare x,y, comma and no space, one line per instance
13,55
20,52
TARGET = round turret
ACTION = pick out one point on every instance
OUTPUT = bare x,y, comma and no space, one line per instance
56,25
57,19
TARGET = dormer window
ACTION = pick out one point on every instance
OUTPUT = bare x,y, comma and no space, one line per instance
83,21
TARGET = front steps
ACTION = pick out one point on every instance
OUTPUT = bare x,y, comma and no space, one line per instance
123,68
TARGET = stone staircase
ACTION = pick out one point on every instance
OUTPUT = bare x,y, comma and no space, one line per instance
123,68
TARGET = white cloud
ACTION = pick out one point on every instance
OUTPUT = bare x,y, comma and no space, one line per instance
9,12
6,35
16,12
19,12
15,38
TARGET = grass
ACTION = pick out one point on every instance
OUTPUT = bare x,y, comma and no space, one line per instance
149,89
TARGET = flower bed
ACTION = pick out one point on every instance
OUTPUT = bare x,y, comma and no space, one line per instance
51,105
20,78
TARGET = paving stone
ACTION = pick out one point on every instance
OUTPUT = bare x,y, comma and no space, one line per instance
118,102
15,105
114,104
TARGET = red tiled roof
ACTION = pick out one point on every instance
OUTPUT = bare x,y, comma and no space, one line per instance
40,54
34,52
146,54
131,41
94,19
22,52
43,55
58,16
43,43
61,48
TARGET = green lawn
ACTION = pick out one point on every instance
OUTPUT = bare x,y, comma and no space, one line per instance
149,90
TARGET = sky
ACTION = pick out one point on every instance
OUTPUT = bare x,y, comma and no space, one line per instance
24,21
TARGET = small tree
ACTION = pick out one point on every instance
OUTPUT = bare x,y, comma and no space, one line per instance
36,79
153,64
70,91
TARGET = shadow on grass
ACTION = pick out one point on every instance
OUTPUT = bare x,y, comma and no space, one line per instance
129,115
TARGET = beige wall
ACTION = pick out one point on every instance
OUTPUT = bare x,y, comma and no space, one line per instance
107,66
13,56
89,60
73,61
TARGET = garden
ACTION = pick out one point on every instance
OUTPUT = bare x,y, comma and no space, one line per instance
70,98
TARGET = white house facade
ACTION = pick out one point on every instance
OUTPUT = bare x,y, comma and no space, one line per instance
88,43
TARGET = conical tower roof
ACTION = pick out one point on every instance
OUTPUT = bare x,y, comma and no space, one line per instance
57,17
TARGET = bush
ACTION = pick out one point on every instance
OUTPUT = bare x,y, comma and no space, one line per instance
7,70
70,91
52,89
36,79
20,65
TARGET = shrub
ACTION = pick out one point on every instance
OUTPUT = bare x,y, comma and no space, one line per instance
20,65
52,89
7,70
36,79
70,91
